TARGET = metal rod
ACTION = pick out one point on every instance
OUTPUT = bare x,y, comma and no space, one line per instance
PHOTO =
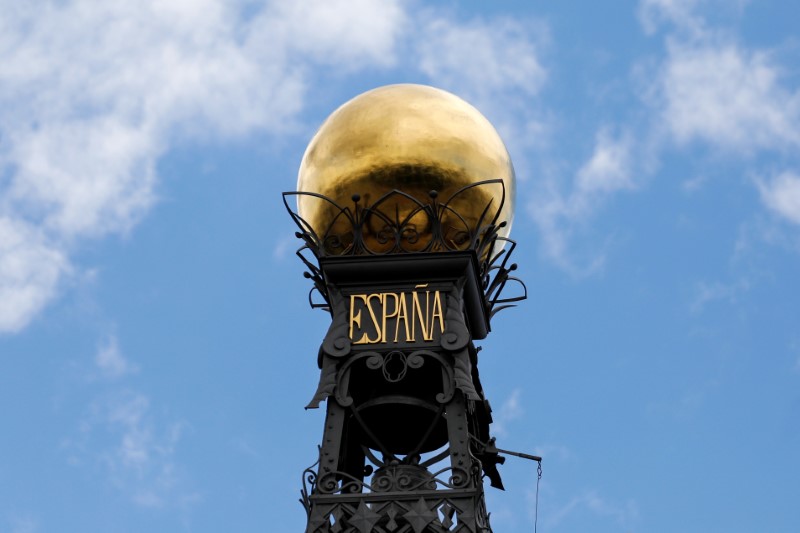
520,454
494,448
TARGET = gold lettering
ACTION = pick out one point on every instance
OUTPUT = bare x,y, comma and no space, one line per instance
416,309
355,318
402,315
374,318
387,315
427,317
437,311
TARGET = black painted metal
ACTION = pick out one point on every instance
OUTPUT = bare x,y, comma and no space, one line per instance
403,444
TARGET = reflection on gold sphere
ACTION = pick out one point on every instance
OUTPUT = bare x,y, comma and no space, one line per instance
413,138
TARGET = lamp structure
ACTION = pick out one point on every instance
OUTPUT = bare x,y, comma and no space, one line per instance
404,205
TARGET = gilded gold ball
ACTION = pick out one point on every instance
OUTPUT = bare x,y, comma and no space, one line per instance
412,138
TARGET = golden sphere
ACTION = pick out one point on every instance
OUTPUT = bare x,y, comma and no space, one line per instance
413,138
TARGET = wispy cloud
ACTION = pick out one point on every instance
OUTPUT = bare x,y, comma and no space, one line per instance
92,95
609,168
706,293
140,455
135,448
684,15
781,195
711,90
348,33
560,214
110,361
715,91
30,269
510,410
652,13
142,461
624,515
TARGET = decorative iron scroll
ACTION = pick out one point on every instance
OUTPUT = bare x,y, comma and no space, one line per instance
380,229
396,480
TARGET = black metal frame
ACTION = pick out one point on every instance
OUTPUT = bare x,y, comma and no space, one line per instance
350,489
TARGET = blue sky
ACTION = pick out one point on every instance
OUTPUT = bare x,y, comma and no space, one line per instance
156,348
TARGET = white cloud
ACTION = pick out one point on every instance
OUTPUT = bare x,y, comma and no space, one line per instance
719,93
30,268
110,361
693,184
680,12
609,168
141,461
683,14
81,177
136,438
782,195
510,410
134,446
91,95
712,90
710,292
350,33
560,215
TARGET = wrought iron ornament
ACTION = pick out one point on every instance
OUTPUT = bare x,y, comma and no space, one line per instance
409,286
379,229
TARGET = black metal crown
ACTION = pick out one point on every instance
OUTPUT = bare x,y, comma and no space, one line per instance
427,227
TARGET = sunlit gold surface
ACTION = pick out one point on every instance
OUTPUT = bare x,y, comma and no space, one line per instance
413,138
